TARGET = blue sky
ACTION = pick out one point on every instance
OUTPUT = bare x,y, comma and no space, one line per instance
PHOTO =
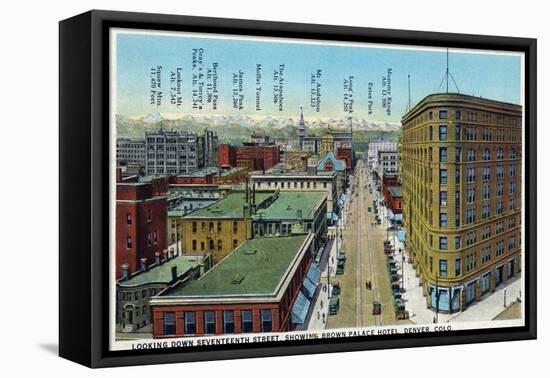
489,75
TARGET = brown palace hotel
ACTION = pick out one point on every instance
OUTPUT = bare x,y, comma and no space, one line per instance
461,178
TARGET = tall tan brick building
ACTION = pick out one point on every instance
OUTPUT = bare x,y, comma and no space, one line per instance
461,176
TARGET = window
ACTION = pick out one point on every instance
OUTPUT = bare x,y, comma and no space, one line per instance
471,175
209,322
511,243
194,245
203,226
457,267
486,154
500,171
128,218
431,132
500,189
219,226
219,245
458,155
442,268
470,195
443,154
246,321
430,115
235,243
486,191
431,264
499,251
470,215
471,154
190,323
443,242
512,153
500,154
457,242
499,207
235,227
194,227
265,316
485,255
443,198
512,170
228,322
442,132
457,132
443,176
457,115
128,242
511,187
486,173
442,114
457,176
169,323
485,211
442,219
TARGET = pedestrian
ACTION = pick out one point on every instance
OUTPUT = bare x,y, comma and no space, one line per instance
318,315
321,304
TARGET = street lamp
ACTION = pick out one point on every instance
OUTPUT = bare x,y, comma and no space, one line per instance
436,298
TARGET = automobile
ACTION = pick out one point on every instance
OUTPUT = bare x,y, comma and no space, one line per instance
368,209
336,288
340,267
341,256
391,228
333,305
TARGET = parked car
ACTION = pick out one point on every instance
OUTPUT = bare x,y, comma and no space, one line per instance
333,306
336,288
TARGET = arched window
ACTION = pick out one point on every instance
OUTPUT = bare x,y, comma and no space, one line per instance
512,153
486,154
500,153
471,154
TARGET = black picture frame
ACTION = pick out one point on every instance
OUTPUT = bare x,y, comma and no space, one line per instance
84,195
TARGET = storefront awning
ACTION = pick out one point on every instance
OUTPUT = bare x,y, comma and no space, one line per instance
309,288
332,216
314,274
300,309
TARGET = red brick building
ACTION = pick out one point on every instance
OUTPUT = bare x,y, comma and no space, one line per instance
259,297
251,157
346,154
212,175
140,225
392,193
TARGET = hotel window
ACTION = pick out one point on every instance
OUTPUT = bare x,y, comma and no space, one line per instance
471,175
431,264
500,154
430,115
235,227
203,226
128,218
228,322
512,153
219,226
457,176
169,323
442,132
511,204
265,316
457,242
443,176
512,187
246,321
471,154
499,207
458,154
442,268
499,248
190,323
470,195
443,154
486,173
443,242
486,191
485,211
194,245
511,243
512,170
211,245
486,154
457,267
209,322
443,198
211,227
457,115
442,219
470,215
128,242
442,114
457,132
431,132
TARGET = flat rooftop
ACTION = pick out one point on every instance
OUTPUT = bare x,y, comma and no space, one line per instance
162,273
256,267
230,206
288,204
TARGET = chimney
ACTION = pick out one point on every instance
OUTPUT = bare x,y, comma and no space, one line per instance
157,258
174,271
125,271
144,264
